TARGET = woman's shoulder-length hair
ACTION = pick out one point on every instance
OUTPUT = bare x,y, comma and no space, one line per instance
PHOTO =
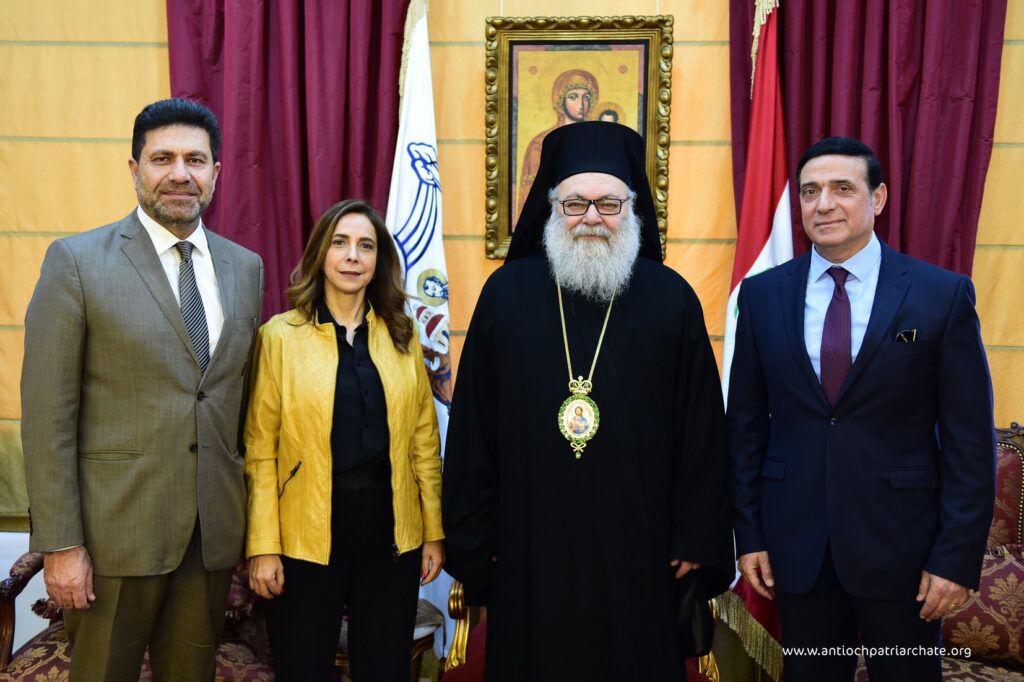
385,292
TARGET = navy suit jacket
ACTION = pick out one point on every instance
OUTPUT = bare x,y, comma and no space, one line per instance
898,476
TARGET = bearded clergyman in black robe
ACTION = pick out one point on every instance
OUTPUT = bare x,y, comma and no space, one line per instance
574,510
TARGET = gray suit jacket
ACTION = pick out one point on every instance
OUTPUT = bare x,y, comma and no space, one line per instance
125,439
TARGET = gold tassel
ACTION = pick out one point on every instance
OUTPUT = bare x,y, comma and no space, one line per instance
417,10
762,8
707,665
761,646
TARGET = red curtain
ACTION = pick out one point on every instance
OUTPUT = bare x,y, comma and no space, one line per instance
307,97
918,81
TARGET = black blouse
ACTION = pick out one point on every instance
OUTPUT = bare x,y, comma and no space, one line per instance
359,427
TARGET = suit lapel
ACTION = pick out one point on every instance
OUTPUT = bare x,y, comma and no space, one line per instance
889,294
225,271
793,295
142,254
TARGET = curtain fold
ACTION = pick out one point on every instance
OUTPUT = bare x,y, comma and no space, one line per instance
307,97
917,81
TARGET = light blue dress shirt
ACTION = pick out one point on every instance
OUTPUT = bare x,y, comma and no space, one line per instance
860,288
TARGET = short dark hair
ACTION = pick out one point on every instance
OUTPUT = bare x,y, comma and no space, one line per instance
169,112
844,146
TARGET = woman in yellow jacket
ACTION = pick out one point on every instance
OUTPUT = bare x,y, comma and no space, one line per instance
342,459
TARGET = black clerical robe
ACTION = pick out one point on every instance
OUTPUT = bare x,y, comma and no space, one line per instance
580,586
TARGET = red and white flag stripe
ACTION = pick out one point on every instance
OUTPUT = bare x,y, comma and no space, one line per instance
765,235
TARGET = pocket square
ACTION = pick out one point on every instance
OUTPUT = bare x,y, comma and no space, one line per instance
907,336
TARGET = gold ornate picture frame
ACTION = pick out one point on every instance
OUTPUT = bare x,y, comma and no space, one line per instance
545,72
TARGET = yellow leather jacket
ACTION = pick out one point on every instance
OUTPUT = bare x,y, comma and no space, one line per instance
288,439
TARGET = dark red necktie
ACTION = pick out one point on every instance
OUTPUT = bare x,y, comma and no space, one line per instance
835,338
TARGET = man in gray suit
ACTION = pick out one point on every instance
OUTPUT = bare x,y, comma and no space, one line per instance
137,342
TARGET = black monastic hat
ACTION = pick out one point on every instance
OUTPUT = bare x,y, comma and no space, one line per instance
587,147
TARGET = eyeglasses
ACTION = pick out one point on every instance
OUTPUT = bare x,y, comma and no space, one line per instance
604,206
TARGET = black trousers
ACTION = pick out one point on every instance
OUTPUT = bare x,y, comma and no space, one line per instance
829,617
378,591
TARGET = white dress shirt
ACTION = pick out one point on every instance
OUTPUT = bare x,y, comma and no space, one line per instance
202,264
860,288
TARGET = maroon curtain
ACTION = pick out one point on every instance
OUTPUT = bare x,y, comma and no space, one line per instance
307,96
918,81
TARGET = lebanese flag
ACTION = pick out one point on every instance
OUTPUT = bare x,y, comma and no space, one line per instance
764,237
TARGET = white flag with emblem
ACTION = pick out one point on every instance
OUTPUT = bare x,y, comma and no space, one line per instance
414,218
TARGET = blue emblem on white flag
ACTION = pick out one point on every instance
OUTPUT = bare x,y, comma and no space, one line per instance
417,203
421,223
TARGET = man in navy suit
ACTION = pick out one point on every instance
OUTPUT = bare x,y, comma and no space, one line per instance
862,440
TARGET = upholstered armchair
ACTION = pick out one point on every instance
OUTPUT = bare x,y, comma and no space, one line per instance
241,654
991,621
990,624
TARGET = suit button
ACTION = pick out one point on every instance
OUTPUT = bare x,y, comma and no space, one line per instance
833,421
201,396
194,448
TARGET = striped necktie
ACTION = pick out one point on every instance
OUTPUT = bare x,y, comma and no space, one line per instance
192,305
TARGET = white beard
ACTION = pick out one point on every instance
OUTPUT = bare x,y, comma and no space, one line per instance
596,270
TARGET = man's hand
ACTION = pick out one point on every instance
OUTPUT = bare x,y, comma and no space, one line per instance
433,560
266,575
68,577
684,567
940,596
756,568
